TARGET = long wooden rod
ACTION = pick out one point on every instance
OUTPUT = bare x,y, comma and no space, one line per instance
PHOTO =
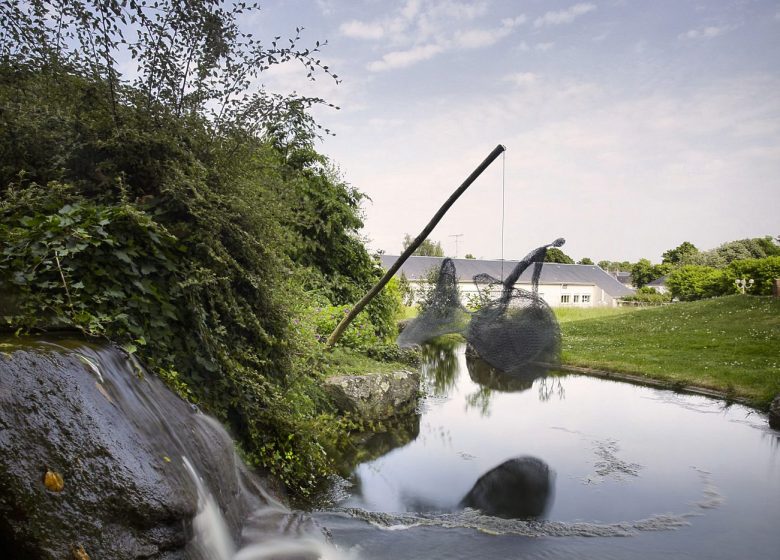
341,327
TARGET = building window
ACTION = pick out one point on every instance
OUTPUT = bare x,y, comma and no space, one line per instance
585,299
576,299
565,299
564,286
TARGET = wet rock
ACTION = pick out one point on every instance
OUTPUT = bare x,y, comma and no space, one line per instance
774,413
91,458
375,396
518,488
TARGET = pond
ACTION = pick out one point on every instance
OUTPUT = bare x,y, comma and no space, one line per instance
635,472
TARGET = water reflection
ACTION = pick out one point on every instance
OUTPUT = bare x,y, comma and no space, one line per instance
490,379
628,461
390,434
440,363
519,488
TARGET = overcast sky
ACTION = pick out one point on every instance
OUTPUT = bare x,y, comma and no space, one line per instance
630,126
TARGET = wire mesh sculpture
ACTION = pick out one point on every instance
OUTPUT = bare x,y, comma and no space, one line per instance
510,332
442,312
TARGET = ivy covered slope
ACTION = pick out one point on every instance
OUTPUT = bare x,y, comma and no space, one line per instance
210,242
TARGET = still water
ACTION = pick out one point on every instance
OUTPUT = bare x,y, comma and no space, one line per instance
636,472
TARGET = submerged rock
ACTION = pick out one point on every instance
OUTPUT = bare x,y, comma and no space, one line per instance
516,489
376,396
92,458
774,413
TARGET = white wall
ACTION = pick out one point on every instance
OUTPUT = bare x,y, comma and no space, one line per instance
551,293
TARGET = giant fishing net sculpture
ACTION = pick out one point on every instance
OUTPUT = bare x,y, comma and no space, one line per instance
514,331
443,313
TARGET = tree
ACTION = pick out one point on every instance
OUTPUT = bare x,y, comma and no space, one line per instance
692,282
470,256
555,255
644,272
585,260
615,266
681,254
725,254
427,248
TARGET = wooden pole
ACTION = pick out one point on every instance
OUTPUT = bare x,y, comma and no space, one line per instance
341,327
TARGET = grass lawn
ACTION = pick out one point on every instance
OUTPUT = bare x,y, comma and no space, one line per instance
730,344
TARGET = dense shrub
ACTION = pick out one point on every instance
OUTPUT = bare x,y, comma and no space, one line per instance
693,282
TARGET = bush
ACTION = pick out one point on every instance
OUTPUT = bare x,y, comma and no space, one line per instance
359,335
692,282
763,272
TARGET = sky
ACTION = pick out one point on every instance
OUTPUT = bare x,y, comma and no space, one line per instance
630,126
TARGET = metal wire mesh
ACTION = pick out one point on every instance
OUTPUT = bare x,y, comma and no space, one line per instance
509,331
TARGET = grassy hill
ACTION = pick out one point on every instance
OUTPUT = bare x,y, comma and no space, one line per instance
731,344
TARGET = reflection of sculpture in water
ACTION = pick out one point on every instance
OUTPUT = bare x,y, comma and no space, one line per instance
518,488
511,331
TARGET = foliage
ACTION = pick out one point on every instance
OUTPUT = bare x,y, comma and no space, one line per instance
405,290
191,58
728,343
470,256
359,335
691,282
763,272
649,296
427,248
75,261
644,272
585,260
680,255
722,256
555,255
615,266
184,215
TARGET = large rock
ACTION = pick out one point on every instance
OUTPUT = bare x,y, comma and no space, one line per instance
517,488
92,458
774,413
375,396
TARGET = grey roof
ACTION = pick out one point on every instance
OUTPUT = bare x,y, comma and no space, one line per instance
416,268
658,281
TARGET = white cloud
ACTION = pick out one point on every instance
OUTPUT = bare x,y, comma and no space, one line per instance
326,7
401,59
544,46
515,21
362,30
522,79
420,30
564,16
706,32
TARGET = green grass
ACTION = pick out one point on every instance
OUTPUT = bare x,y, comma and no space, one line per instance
730,344
345,361
408,312
567,314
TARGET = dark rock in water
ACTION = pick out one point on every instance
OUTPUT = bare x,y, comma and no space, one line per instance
375,396
774,413
516,489
92,458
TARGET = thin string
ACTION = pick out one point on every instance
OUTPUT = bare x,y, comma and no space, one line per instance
503,206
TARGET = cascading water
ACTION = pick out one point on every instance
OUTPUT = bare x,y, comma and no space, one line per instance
145,474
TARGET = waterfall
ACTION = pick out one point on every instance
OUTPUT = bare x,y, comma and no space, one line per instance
145,473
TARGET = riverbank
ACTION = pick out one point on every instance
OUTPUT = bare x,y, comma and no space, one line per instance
728,345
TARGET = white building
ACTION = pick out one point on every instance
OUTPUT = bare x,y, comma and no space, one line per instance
577,285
